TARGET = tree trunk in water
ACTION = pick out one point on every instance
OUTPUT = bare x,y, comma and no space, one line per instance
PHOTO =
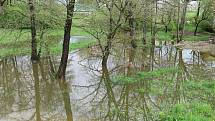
183,19
34,56
37,90
67,31
66,99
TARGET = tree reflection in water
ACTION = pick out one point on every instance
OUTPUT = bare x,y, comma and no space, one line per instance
92,92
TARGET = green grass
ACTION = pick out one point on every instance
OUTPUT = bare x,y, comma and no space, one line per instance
202,37
163,36
194,111
16,42
191,14
57,48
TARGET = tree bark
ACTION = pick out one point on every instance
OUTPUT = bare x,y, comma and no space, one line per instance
145,23
66,99
67,31
132,25
1,10
178,20
37,90
195,32
196,19
34,56
213,13
183,20
154,24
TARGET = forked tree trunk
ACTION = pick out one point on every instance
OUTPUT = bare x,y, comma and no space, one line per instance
196,29
67,31
183,19
34,56
197,17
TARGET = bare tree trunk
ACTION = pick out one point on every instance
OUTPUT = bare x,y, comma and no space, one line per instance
178,20
37,90
213,13
145,23
183,19
196,19
154,25
67,31
1,9
132,25
34,56
66,99
2,6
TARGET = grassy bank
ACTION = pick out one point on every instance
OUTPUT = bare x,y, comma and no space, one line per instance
17,42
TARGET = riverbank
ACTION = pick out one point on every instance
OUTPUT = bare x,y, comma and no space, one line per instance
18,42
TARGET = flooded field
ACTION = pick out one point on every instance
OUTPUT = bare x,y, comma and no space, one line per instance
137,85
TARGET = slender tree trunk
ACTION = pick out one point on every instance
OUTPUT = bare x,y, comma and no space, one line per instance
166,29
34,56
154,25
67,31
132,25
37,90
66,99
178,20
213,13
197,17
145,23
1,9
196,28
1,6
183,19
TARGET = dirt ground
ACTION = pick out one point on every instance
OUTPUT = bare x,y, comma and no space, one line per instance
203,46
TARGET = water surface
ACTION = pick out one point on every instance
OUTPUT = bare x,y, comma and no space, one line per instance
30,92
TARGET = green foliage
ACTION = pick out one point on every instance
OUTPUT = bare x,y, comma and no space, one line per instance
189,112
202,87
15,17
172,27
190,15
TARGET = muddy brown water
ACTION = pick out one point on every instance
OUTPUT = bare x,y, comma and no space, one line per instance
30,92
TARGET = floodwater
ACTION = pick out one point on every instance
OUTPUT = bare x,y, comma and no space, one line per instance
30,92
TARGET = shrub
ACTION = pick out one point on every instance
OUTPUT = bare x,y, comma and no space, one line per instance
206,25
